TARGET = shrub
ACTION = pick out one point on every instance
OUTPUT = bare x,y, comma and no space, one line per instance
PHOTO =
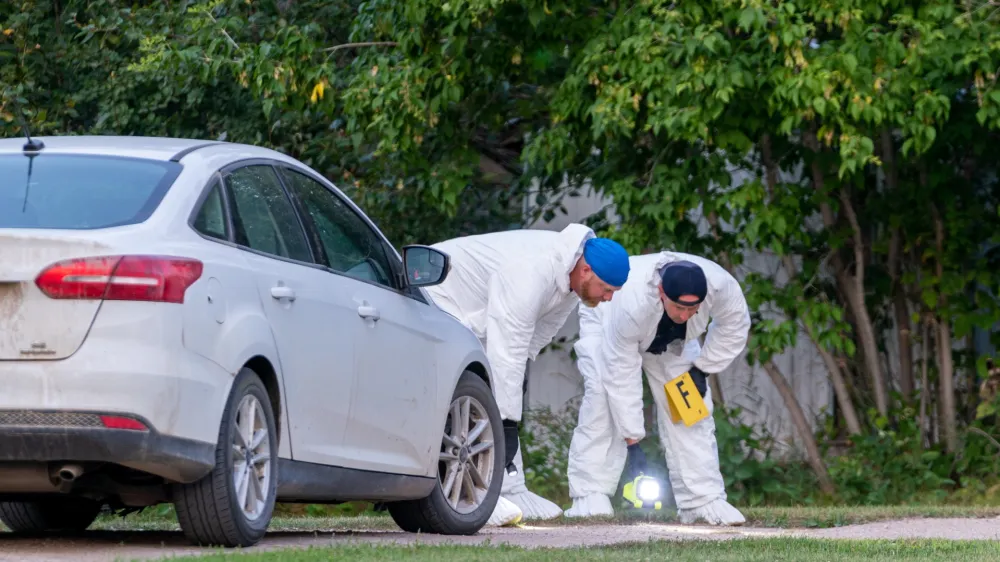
885,466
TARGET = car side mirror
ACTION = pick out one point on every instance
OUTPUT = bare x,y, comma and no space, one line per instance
425,266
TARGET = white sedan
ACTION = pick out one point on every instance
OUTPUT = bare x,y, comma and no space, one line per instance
217,326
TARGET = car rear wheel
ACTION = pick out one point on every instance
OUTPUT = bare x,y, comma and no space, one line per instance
232,505
65,514
470,467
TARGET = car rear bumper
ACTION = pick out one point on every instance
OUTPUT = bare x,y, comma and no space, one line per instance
179,393
45,436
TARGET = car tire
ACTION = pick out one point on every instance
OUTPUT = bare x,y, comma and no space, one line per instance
436,513
209,511
58,514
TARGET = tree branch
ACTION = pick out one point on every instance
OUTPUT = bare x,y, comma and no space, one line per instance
713,221
924,384
361,44
771,169
984,434
892,181
800,422
859,247
224,32
894,266
819,183
836,374
946,372
853,288
486,151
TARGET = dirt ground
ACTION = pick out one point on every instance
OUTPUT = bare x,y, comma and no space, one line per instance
107,546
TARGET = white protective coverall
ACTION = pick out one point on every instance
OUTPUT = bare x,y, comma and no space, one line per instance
512,290
612,354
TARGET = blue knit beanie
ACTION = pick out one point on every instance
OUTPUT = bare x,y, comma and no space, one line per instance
608,259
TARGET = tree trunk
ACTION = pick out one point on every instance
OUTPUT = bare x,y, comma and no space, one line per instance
946,367
855,289
903,327
840,390
972,390
904,337
866,337
924,385
934,410
802,426
853,286
718,400
836,374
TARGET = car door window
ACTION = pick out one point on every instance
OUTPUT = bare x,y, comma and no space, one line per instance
211,219
263,216
351,247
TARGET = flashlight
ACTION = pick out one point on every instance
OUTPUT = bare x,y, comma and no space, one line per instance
643,493
648,490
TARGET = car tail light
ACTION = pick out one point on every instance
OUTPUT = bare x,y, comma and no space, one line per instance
121,278
120,422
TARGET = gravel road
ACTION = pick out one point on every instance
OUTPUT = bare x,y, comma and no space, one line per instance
108,546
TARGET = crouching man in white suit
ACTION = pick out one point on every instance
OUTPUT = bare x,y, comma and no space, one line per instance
514,290
654,325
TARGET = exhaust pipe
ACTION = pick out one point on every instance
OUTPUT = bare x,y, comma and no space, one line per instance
70,472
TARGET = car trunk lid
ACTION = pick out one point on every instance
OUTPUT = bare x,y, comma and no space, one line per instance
34,326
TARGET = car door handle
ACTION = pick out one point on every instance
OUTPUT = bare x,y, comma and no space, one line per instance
283,292
369,312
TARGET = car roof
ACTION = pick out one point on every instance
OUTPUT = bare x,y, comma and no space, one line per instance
154,148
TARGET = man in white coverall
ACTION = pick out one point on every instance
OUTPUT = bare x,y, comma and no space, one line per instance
654,325
515,290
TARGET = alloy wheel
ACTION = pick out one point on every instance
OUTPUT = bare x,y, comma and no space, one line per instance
466,462
251,457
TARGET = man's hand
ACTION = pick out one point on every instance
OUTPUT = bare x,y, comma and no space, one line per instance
636,460
510,440
700,379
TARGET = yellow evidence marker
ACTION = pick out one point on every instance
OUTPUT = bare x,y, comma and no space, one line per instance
685,403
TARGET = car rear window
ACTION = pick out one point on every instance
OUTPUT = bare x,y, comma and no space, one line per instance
80,192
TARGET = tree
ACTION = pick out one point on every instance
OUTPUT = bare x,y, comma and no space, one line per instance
678,95
216,70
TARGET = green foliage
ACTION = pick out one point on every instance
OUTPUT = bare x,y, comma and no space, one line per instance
752,474
246,72
890,466
545,439
886,467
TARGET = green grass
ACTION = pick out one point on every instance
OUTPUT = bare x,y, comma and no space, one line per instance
143,522
737,550
783,517
749,550
847,515
821,517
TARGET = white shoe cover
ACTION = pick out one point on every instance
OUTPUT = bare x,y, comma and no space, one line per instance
718,512
505,513
594,505
534,507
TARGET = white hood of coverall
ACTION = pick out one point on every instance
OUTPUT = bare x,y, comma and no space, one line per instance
512,290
